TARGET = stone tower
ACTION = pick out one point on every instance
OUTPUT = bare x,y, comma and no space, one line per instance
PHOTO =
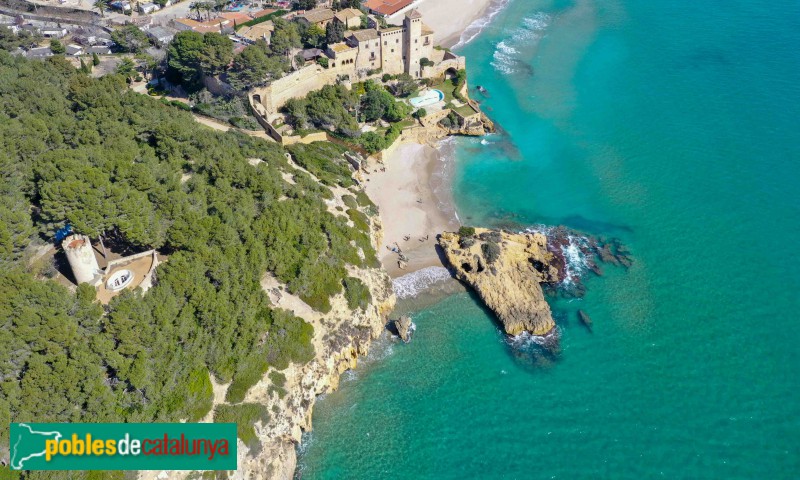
413,42
82,261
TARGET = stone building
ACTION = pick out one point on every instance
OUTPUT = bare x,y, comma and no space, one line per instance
398,49
392,50
349,17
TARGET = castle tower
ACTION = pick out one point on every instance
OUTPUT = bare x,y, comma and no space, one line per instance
82,261
413,43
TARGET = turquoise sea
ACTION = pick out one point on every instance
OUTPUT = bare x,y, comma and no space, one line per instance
674,126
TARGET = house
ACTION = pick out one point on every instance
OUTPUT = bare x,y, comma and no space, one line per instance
218,25
53,32
262,31
235,18
369,48
310,54
98,49
319,17
341,55
39,52
160,35
349,17
74,50
148,8
387,8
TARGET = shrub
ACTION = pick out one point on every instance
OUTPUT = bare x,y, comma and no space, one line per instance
450,121
277,378
491,251
324,161
356,293
57,47
465,231
244,416
250,372
466,242
386,77
360,221
323,62
425,62
199,395
349,201
491,237
246,123
364,201
420,113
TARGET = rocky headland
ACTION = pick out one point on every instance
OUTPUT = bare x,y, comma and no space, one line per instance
506,270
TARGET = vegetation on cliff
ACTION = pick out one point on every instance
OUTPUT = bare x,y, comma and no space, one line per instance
336,109
91,153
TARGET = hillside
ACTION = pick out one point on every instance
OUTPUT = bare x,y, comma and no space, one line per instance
226,209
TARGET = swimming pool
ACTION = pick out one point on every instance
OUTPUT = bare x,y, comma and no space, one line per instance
428,98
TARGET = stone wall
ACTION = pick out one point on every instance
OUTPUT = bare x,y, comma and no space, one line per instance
450,61
392,43
298,84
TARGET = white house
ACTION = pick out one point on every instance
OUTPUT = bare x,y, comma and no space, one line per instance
148,8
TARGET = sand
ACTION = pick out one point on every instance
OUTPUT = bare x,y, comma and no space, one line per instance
412,175
449,18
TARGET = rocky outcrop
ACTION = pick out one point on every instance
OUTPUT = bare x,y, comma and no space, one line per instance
403,327
506,271
585,319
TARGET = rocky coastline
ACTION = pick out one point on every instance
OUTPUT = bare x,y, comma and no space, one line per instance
506,270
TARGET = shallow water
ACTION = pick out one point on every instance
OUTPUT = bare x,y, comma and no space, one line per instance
671,125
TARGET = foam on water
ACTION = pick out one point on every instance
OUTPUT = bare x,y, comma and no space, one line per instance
476,27
413,283
577,263
506,57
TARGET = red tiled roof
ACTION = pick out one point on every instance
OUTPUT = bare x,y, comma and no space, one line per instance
387,7
263,13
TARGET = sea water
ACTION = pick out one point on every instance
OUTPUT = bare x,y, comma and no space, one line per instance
670,125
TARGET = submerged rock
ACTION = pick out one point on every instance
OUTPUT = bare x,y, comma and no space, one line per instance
585,319
506,271
403,327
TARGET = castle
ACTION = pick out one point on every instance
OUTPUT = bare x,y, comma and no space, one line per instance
363,53
393,50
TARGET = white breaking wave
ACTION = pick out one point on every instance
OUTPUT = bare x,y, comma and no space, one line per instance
527,339
475,28
503,58
576,262
413,283
520,39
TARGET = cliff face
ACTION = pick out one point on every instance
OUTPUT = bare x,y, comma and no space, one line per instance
340,338
506,271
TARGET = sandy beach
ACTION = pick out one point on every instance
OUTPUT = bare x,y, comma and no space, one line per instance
450,18
409,206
